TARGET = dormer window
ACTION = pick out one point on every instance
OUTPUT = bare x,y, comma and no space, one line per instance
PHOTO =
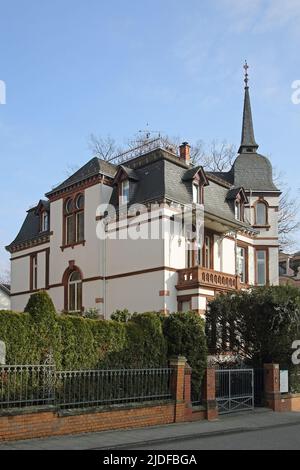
124,192
44,221
197,193
238,211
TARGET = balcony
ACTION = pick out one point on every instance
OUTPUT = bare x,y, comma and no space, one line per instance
202,277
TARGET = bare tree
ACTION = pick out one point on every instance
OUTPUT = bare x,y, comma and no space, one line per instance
103,147
216,156
5,276
288,216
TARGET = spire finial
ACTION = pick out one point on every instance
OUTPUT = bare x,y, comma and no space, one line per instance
248,143
246,68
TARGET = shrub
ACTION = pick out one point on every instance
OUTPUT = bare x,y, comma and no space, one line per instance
258,325
185,336
42,311
121,316
134,341
17,331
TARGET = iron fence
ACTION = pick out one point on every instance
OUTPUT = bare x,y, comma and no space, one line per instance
22,386
26,385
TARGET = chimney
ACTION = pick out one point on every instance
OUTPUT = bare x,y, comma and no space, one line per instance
184,152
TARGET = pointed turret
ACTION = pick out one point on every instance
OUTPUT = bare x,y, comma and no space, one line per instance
248,143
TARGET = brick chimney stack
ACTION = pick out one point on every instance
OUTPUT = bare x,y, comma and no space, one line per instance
184,152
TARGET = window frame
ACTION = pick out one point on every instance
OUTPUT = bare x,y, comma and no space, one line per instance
71,216
76,283
33,281
193,251
44,216
266,221
266,260
241,246
123,183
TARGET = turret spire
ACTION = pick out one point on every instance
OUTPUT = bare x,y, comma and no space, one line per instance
248,143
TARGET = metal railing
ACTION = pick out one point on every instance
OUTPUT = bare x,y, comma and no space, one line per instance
22,386
26,385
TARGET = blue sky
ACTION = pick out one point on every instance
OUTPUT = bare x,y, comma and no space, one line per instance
74,67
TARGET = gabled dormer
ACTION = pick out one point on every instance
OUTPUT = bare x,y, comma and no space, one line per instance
198,180
125,180
238,198
43,212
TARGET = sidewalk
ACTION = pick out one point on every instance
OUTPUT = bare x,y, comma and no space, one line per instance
131,438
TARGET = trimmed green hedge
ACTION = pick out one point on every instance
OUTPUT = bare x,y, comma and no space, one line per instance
135,341
259,326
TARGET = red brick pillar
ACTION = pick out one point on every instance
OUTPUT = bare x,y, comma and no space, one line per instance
178,365
209,394
272,386
188,392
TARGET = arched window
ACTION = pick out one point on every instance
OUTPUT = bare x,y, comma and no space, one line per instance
261,213
75,292
74,220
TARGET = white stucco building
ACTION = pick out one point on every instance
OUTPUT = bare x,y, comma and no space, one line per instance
59,249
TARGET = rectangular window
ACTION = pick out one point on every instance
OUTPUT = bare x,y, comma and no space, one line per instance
189,254
45,222
196,198
33,272
79,226
70,229
185,306
125,192
241,263
72,297
261,267
207,252
282,268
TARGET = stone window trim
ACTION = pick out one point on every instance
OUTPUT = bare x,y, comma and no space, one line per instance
71,210
261,200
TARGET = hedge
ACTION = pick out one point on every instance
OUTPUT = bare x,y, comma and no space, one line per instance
259,326
134,341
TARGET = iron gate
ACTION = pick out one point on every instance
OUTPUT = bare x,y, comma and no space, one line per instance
234,390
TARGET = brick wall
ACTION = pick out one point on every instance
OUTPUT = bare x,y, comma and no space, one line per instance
42,422
52,423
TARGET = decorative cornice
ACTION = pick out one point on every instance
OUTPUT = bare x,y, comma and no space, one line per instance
39,240
54,195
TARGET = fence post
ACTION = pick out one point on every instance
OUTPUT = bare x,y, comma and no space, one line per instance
272,386
209,394
178,365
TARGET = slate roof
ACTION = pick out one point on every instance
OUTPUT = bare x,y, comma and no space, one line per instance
248,139
216,202
253,171
30,229
94,167
5,288
159,175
